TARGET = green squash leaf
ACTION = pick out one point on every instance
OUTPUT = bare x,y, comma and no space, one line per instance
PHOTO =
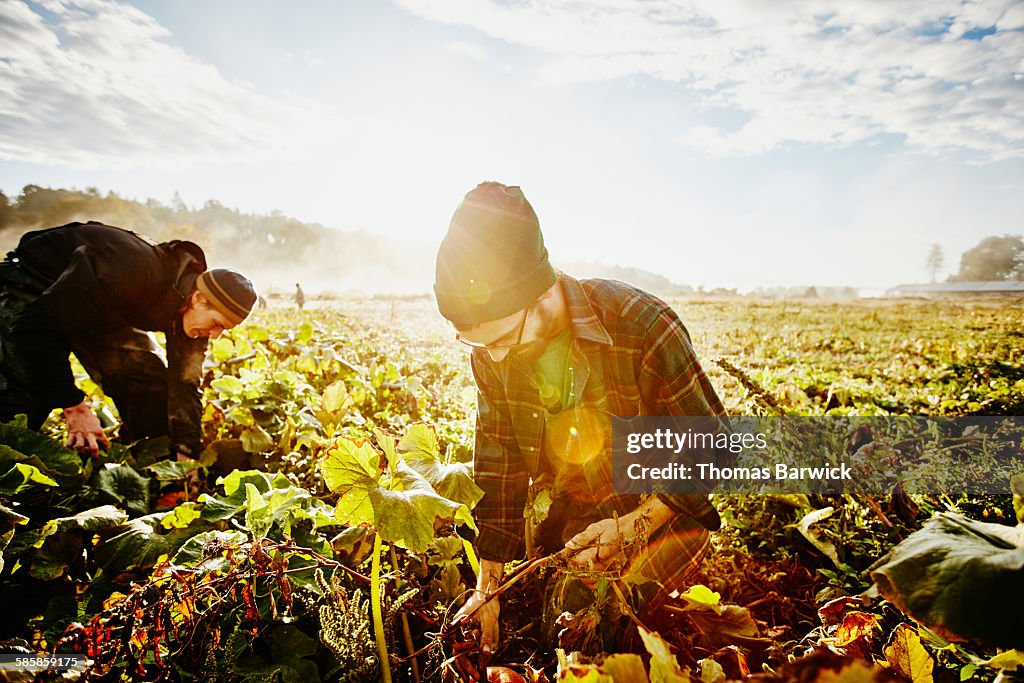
171,470
61,541
126,486
400,504
256,440
141,542
21,477
421,452
963,579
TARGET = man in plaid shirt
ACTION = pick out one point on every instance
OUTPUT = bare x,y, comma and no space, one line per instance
553,358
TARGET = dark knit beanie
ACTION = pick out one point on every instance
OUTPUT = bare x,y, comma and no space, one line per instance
229,292
492,262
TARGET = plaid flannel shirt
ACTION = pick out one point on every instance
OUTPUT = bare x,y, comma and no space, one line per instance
631,356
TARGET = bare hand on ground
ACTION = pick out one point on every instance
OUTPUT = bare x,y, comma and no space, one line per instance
85,433
485,613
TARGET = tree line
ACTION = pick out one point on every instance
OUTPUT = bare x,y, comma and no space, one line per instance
993,258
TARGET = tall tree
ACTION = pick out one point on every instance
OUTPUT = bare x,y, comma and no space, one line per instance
935,261
6,211
994,258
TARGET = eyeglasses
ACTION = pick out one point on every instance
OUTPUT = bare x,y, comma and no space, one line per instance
503,347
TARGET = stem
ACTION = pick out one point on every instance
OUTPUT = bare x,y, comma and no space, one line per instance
378,612
471,556
406,631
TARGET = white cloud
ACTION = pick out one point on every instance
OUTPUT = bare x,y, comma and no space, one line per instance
827,72
472,51
98,84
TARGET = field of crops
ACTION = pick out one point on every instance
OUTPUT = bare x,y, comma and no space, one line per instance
309,547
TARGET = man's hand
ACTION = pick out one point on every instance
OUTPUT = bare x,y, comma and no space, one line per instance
603,542
600,543
485,613
85,433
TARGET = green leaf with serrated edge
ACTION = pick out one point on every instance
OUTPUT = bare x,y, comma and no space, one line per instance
335,398
21,477
222,349
263,500
538,507
445,551
258,516
350,463
217,508
664,666
447,587
18,443
719,629
126,486
702,599
419,447
406,514
908,657
61,541
256,440
227,385
263,481
139,543
387,445
402,506
200,546
182,516
959,577
171,470
91,521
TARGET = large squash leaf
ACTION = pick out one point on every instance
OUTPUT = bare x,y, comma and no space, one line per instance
963,579
396,500
18,443
139,543
420,450
22,476
262,500
125,486
62,540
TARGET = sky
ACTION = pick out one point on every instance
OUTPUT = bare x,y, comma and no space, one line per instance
734,143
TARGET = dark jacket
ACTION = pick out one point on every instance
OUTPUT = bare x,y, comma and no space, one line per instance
99,279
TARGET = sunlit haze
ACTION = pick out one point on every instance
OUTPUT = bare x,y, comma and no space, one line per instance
734,143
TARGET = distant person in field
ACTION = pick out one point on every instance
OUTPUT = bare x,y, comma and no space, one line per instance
96,290
300,296
551,356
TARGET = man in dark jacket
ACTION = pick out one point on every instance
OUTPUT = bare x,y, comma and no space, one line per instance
96,290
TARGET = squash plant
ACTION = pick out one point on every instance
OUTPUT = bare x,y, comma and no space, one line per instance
404,491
